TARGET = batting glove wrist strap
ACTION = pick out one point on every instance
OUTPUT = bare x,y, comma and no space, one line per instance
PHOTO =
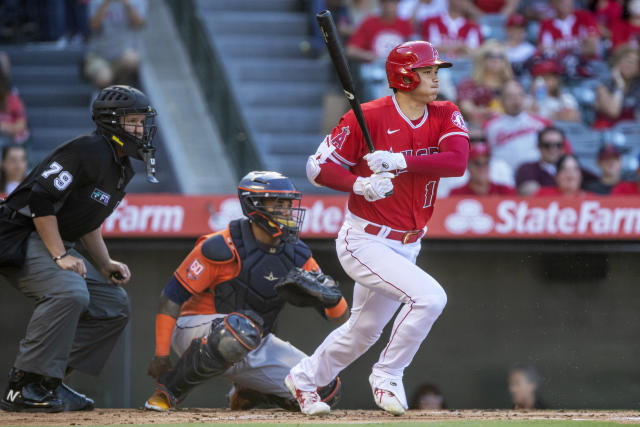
374,187
385,161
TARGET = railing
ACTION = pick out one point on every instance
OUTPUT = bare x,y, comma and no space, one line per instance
214,82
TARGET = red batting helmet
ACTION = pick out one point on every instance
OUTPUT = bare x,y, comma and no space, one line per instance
405,58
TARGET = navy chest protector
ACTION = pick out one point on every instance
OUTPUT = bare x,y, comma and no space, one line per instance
262,267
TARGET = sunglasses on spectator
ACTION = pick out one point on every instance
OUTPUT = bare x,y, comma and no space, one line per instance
494,55
556,145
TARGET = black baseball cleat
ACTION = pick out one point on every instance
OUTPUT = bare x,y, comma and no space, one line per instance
72,400
26,393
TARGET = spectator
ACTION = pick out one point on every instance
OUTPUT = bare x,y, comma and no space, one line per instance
628,187
378,34
536,11
568,29
480,183
428,396
531,176
550,101
76,23
517,48
607,13
617,99
417,11
610,170
513,136
13,168
360,10
372,42
627,32
584,64
314,46
479,96
451,32
524,385
13,119
568,179
113,56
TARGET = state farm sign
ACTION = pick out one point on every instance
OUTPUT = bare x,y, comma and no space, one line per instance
169,215
549,218
192,216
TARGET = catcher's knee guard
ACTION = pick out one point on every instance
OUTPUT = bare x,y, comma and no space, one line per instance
229,341
331,393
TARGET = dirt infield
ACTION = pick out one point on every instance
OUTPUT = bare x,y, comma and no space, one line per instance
223,416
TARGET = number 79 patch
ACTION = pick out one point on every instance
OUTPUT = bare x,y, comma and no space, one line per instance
62,177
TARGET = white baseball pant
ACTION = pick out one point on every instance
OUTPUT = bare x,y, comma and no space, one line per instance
386,277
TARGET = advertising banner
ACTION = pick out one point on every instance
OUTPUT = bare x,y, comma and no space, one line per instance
606,218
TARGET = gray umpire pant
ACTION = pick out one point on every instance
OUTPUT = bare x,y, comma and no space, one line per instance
76,321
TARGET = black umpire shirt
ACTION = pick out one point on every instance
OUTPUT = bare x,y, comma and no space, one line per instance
83,178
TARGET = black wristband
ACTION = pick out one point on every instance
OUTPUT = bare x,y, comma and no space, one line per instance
59,257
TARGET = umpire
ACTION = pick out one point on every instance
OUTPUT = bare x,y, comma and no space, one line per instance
79,309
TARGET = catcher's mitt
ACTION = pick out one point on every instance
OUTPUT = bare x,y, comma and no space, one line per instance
304,288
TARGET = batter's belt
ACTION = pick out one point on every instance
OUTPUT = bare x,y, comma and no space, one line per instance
405,237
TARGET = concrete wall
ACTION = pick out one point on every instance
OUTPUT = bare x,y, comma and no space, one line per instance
506,305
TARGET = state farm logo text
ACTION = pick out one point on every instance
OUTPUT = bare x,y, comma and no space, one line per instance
587,217
130,218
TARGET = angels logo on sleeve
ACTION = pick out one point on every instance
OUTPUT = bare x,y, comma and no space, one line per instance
458,120
340,138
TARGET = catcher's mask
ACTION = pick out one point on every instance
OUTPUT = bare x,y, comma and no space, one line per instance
272,201
124,116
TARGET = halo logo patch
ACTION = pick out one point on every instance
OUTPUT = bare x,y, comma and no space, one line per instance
457,120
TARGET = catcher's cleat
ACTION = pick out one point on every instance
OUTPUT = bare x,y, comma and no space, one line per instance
309,401
159,401
388,394
74,401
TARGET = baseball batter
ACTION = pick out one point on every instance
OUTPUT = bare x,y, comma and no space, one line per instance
418,140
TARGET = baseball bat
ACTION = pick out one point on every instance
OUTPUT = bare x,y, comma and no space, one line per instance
330,35
339,60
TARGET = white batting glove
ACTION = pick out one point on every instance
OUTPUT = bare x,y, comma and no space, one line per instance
385,161
374,187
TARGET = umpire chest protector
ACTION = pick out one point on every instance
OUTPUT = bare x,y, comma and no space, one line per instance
261,268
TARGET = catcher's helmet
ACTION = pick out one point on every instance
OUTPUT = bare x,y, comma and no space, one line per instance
278,221
405,58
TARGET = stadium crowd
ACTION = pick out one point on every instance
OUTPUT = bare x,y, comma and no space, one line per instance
521,66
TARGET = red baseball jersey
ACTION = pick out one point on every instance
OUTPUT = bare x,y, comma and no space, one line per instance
411,205
380,36
626,187
567,34
443,31
623,32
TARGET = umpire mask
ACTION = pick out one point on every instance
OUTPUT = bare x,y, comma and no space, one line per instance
124,115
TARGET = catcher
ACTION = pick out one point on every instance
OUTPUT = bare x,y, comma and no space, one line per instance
219,308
